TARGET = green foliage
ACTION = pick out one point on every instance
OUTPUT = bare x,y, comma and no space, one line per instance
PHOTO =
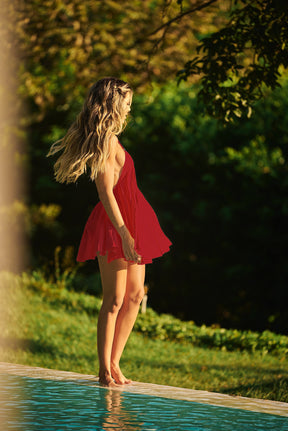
65,273
65,47
59,293
167,327
255,158
242,58
151,324
220,195
56,328
18,213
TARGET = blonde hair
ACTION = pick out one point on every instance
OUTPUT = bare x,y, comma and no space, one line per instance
86,142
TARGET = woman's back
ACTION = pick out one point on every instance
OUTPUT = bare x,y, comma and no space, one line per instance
101,237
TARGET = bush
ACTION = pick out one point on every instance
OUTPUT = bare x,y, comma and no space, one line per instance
167,327
150,324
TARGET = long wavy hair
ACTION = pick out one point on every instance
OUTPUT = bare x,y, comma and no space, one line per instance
86,142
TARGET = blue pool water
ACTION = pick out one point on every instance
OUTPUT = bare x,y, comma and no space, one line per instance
31,404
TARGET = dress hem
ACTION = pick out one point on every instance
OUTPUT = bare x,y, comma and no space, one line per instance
147,260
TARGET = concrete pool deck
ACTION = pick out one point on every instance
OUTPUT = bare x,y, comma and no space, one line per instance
171,392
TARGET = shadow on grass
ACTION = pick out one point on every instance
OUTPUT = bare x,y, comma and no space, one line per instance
207,368
278,387
34,346
41,347
258,381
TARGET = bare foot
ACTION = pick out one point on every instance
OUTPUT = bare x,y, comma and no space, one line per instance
106,380
118,376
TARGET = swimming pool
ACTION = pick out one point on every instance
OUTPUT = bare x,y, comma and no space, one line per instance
34,404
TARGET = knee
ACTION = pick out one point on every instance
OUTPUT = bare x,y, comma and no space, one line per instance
113,304
136,295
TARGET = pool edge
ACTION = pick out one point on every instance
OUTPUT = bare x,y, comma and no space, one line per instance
212,398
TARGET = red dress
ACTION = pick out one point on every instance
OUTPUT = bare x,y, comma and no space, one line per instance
100,236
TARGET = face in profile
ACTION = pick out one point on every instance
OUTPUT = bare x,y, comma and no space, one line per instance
126,105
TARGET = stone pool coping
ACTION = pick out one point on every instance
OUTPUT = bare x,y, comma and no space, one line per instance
205,397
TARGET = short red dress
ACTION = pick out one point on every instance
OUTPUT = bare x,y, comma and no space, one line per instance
100,236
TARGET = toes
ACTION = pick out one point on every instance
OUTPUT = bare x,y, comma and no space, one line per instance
119,377
107,382
120,382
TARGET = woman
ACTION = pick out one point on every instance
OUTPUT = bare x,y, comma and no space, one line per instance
122,230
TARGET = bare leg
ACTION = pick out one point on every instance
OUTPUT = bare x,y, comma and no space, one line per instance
113,277
126,317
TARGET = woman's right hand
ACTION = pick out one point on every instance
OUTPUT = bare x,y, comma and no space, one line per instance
128,244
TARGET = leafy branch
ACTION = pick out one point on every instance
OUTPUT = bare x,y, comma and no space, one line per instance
237,60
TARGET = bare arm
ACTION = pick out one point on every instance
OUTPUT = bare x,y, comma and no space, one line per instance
104,184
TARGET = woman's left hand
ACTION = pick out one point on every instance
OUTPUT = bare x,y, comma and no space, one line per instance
128,245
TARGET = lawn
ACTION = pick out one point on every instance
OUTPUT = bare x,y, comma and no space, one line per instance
51,326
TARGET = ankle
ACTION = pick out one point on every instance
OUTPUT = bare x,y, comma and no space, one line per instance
114,364
104,373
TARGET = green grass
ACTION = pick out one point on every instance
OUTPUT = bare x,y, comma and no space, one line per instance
49,326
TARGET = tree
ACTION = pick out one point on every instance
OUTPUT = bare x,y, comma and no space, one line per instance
235,61
242,46
65,46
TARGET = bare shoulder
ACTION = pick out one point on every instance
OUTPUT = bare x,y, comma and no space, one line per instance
113,146
116,151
